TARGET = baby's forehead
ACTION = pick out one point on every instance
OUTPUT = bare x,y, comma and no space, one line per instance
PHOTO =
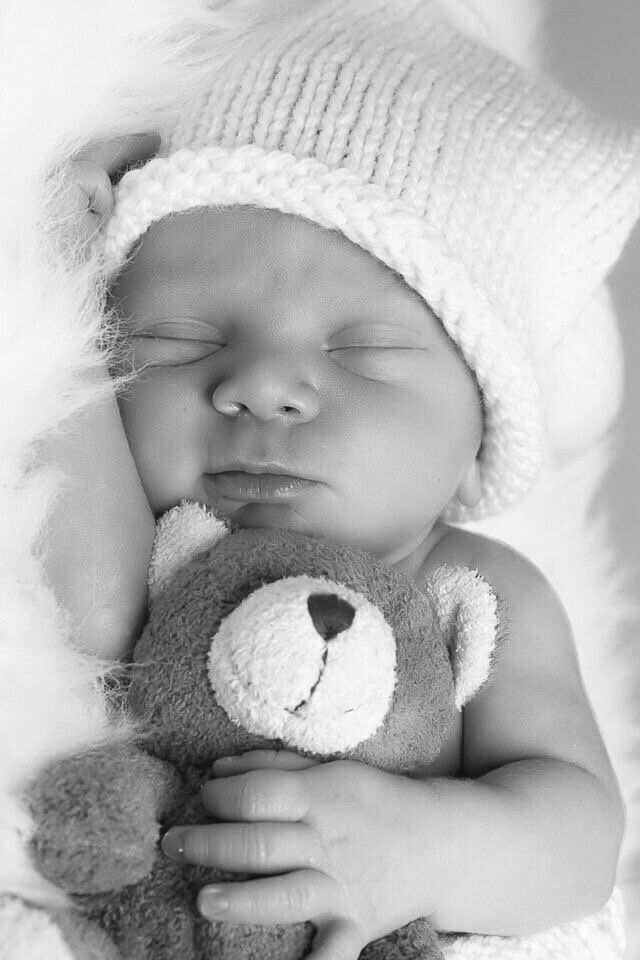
242,248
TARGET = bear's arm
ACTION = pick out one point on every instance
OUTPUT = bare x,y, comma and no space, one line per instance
97,817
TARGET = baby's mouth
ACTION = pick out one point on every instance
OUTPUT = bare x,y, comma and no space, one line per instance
245,487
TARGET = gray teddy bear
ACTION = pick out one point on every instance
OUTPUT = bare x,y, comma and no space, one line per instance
261,640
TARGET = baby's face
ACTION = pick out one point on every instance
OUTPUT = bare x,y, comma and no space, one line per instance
288,379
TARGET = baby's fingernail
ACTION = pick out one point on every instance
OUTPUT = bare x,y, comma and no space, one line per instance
173,843
212,901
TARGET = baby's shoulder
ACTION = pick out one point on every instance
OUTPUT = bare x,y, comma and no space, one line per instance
518,582
491,558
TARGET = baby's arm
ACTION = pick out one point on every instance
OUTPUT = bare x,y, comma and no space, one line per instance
99,535
532,838
100,531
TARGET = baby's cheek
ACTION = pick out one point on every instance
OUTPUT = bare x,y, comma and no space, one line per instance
159,443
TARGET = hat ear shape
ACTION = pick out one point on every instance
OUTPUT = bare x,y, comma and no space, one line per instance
181,533
582,379
466,611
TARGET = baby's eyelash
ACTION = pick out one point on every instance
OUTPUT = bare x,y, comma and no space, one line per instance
377,337
172,338
178,329
152,349
373,346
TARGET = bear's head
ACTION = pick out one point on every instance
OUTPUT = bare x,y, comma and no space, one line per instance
272,639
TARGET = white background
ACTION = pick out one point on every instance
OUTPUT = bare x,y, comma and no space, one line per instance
594,47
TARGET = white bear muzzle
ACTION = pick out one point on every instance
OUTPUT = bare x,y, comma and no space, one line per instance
306,661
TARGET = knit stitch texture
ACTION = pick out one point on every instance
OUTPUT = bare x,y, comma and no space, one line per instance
497,197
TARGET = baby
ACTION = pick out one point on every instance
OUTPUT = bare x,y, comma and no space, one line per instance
337,286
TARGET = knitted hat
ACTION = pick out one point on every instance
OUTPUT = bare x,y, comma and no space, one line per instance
498,198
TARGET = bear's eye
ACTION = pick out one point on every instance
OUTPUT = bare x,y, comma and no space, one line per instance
330,614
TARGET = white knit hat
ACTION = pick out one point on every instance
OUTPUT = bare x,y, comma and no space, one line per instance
498,198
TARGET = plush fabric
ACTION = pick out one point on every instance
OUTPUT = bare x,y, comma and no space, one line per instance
98,813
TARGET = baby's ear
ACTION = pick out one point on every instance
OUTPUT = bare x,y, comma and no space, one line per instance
181,533
466,611
469,491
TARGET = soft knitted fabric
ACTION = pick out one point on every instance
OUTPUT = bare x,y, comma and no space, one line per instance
499,199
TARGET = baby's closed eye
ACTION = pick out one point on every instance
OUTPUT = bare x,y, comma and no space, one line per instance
371,349
175,341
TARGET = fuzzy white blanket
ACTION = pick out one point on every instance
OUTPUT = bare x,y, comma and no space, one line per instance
72,71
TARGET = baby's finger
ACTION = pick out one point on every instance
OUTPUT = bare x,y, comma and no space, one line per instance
338,940
95,187
113,155
289,898
258,795
261,760
262,848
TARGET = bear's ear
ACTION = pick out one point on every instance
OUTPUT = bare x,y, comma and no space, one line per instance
465,609
181,533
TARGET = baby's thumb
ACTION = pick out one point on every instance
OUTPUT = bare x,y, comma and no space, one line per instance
338,939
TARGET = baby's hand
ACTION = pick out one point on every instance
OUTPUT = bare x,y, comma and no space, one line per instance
336,843
89,195
89,198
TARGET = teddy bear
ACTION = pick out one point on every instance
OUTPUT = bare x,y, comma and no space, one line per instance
256,639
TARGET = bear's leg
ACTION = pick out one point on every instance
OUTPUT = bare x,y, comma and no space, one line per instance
239,941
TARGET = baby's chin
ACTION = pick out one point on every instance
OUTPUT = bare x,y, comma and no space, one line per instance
281,516
272,516
311,518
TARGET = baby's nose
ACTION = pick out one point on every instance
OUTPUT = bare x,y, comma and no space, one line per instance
267,395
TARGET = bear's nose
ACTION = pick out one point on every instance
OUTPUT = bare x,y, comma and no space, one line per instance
330,614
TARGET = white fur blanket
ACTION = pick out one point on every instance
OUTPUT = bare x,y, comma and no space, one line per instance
72,71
